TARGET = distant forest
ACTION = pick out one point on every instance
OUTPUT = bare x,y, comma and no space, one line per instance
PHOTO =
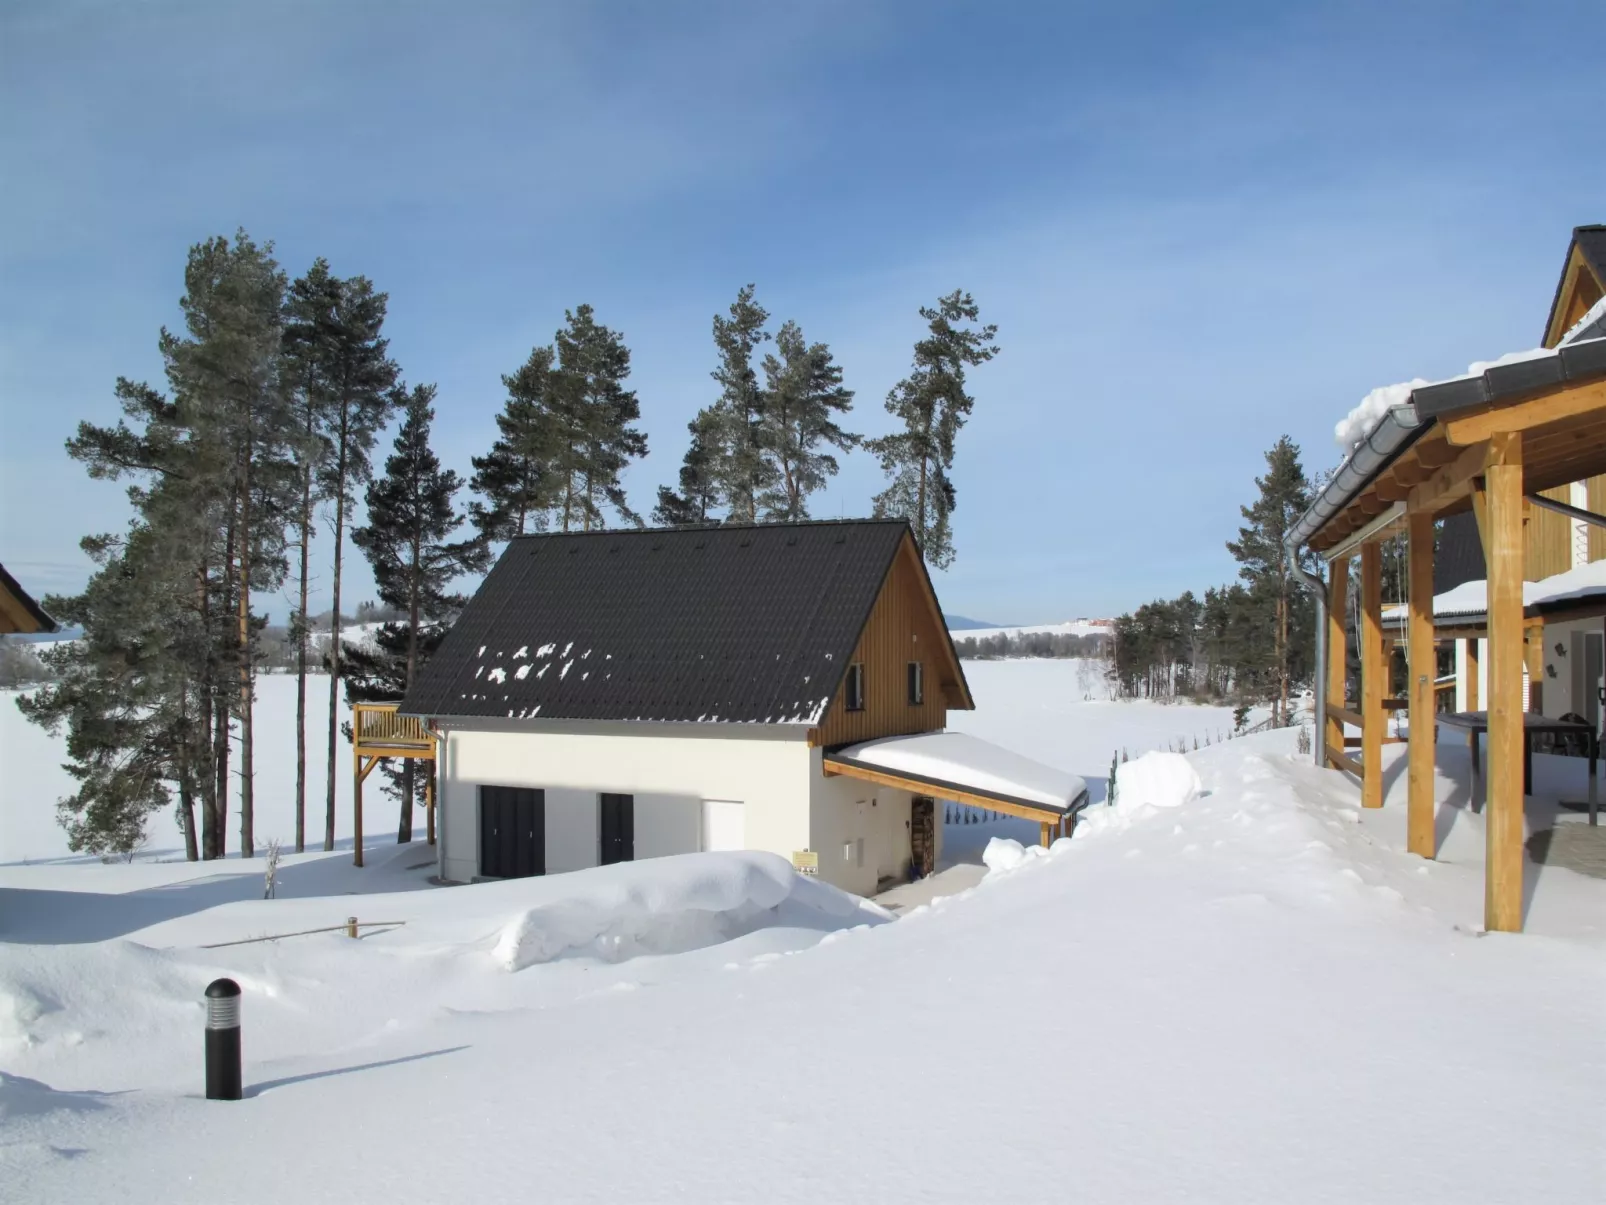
1030,644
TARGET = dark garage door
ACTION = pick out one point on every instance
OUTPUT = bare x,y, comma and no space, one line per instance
512,832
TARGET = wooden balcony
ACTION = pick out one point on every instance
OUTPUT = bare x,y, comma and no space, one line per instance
377,731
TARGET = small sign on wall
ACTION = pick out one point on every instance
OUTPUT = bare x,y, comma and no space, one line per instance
806,861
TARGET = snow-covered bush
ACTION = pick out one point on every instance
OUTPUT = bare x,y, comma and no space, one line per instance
1165,780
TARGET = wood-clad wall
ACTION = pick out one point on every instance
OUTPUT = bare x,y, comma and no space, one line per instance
901,629
1548,538
1597,503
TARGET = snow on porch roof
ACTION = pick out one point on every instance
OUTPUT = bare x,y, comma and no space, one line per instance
1471,599
956,761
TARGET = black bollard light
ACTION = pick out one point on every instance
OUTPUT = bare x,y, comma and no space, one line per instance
223,1080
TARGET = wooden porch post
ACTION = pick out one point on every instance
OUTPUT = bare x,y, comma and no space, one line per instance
1420,693
357,777
1503,816
1374,671
1473,673
1048,834
1337,607
429,803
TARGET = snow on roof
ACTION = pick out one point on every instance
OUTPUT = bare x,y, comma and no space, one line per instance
1472,598
973,764
1591,326
1360,422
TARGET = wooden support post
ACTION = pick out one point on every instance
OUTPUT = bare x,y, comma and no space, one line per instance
1419,689
429,804
1373,674
357,776
1503,815
1473,674
1048,834
1337,608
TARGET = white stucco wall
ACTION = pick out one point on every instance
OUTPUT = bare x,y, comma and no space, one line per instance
1569,676
670,769
846,810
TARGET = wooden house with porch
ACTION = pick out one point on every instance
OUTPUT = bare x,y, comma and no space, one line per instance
614,695
1505,446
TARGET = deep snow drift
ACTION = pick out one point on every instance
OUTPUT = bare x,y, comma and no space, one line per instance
1253,996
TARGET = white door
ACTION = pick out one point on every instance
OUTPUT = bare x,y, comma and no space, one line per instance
724,825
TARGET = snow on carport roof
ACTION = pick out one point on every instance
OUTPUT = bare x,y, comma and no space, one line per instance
958,761
1471,599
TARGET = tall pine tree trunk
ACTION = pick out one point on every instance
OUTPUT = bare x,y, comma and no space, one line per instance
334,635
186,782
247,750
223,712
404,829
301,665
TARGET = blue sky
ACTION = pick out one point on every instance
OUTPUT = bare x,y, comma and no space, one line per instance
1197,227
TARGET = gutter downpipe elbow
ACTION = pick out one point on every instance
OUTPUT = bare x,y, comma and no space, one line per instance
1319,591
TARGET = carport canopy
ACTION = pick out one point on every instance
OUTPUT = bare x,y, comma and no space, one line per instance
965,769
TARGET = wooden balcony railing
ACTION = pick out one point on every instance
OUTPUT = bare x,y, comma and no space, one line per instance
377,731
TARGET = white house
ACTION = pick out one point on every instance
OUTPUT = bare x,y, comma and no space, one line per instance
630,694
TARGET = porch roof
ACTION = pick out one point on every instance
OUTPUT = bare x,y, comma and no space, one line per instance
966,769
1468,603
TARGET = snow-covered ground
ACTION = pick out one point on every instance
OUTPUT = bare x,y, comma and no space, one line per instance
1252,997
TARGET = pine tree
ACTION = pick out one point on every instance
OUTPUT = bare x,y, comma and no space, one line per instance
693,505
128,693
515,477
803,397
229,365
932,404
411,517
333,332
741,468
309,401
212,494
596,434
1284,497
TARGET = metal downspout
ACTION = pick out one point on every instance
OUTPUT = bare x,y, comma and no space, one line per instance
1315,586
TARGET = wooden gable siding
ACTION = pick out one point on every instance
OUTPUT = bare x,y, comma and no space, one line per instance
900,630
1579,290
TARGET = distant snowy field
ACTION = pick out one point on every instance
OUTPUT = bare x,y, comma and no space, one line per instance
1252,997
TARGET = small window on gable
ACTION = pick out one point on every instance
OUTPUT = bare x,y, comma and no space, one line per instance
917,683
854,697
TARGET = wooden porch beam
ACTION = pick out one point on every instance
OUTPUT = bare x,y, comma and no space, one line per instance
1448,483
1420,676
1502,904
1373,668
1567,401
886,778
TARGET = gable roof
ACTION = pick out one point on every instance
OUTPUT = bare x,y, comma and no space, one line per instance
18,611
1588,246
721,624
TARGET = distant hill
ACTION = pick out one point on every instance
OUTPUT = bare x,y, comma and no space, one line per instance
959,623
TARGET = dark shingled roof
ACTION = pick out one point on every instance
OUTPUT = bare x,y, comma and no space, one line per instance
728,624
1591,244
